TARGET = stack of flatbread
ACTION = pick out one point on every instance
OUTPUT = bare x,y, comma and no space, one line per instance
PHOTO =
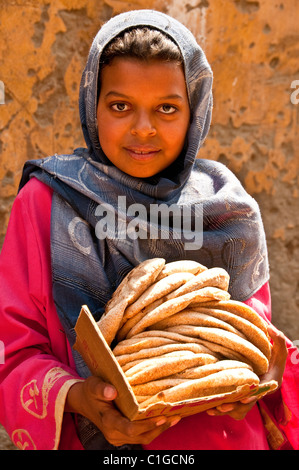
180,336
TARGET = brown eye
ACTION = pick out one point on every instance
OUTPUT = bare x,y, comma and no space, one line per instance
167,109
120,107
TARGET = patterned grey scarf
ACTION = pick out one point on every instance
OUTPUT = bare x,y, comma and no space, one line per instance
87,266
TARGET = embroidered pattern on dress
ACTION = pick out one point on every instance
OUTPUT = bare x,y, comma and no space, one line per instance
22,440
34,399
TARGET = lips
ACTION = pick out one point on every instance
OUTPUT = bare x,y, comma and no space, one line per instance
142,153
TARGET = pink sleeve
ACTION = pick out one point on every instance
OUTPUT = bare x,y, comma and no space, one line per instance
261,302
35,367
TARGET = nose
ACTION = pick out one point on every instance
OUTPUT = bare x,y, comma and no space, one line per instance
143,125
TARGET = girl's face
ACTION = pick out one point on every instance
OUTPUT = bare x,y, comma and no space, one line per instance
143,115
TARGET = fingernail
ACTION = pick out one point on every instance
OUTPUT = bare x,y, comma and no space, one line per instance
109,392
248,400
175,421
161,421
225,407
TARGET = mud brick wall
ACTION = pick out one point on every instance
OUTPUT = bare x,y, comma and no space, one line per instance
253,47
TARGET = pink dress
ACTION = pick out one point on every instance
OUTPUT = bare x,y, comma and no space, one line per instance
37,367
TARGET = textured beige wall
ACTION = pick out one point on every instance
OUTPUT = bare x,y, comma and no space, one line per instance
253,47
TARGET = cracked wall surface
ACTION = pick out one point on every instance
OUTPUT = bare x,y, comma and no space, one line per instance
253,47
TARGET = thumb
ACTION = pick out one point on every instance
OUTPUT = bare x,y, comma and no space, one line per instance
278,356
109,392
279,348
101,390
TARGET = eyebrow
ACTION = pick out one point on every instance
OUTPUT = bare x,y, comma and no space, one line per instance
116,93
172,97
121,95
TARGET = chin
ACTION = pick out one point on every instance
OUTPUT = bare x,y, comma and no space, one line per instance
141,174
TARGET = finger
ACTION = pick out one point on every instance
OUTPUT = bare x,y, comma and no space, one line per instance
109,392
149,437
236,410
248,400
124,427
213,412
279,348
101,390
279,341
122,431
226,407
278,356
240,410
160,423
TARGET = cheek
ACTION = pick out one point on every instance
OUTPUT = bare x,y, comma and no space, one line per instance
103,125
107,134
110,128
176,136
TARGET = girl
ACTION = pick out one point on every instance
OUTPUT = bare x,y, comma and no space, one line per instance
145,107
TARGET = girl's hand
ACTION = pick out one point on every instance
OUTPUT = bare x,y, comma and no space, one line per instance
93,399
238,410
278,356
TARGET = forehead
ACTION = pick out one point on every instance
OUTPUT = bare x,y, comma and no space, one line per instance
134,74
